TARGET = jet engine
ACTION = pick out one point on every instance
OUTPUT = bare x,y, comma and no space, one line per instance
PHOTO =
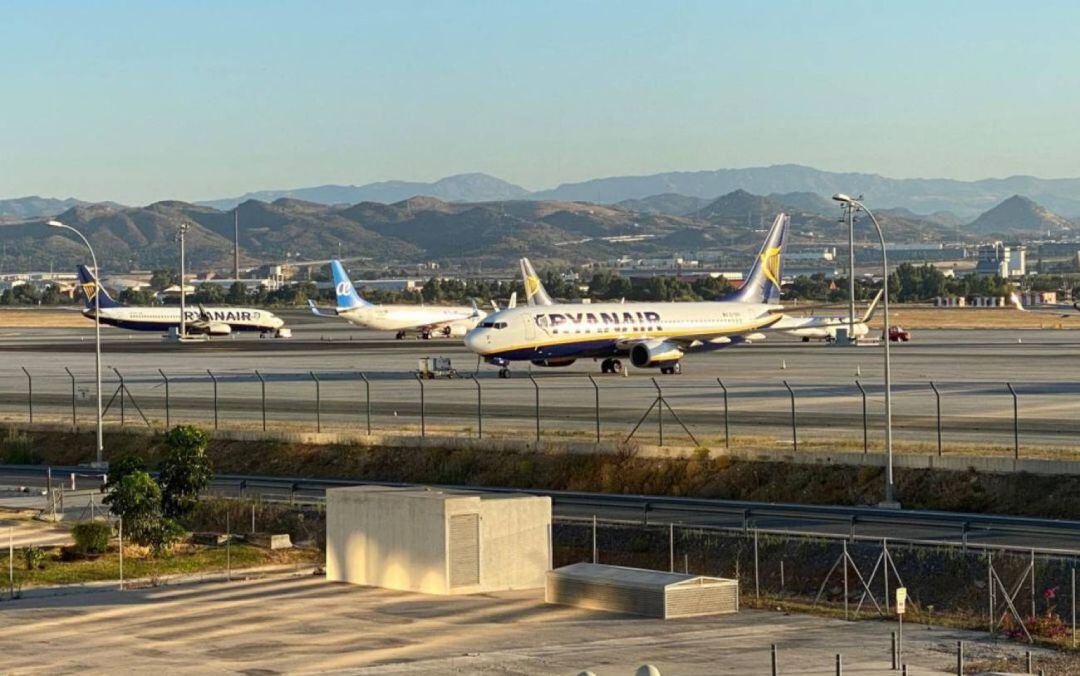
654,353
456,331
214,329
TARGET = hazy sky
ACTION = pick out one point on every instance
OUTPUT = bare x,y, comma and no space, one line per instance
139,101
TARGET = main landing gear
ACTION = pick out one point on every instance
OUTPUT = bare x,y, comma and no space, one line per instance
504,372
611,366
400,335
672,369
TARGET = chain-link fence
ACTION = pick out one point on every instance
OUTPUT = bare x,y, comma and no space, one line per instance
974,417
1027,594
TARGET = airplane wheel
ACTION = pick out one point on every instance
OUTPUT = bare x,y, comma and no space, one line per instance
504,373
425,336
806,339
616,366
605,366
400,335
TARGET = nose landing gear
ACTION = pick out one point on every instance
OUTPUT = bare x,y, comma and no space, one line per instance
673,369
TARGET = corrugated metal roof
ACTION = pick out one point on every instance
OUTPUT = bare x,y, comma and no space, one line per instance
633,577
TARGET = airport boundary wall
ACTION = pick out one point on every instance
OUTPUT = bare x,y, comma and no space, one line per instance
915,461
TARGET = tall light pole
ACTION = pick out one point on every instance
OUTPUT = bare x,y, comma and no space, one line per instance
183,289
855,205
851,267
100,458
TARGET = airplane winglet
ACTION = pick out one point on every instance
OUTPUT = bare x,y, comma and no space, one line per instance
329,312
1014,298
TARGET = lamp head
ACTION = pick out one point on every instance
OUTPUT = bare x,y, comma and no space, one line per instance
841,197
55,224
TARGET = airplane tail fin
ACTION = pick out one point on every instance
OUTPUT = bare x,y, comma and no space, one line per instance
762,284
535,293
347,298
1014,298
872,307
88,283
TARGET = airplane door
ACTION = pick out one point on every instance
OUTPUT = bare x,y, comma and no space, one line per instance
530,327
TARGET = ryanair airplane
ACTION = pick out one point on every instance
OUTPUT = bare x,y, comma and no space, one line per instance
212,321
425,320
652,335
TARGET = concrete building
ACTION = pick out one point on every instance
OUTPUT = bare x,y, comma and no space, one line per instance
1003,260
435,541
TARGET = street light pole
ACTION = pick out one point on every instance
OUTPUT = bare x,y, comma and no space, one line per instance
183,289
853,205
100,458
851,269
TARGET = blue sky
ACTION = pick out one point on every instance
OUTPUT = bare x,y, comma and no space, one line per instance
139,101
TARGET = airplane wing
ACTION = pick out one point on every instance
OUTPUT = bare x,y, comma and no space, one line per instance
1057,310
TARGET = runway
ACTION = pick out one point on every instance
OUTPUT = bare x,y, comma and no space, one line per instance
969,368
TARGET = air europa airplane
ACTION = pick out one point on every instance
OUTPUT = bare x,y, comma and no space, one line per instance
652,335
212,321
425,320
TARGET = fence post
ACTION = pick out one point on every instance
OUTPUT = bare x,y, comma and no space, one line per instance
757,583
168,419
774,662
659,409
959,658
865,434
1016,421
839,665
536,386
262,388
29,393
937,398
727,430
120,540
596,392
74,422
479,408
318,401
123,393
423,413
213,378
1073,604
367,400
671,547
594,538
794,427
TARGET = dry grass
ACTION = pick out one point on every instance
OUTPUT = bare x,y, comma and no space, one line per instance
49,318
915,317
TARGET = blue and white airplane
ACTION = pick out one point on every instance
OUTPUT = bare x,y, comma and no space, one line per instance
204,321
424,320
652,335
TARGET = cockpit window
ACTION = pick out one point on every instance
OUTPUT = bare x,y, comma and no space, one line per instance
500,325
487,325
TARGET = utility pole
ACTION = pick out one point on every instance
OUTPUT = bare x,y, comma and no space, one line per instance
183,289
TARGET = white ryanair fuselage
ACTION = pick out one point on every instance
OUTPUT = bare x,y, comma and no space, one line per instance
400,317
164,318
665,331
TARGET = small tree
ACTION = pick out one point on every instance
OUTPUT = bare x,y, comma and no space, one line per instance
186,470
136,499
121,468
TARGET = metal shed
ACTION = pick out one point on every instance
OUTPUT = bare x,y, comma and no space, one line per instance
641,592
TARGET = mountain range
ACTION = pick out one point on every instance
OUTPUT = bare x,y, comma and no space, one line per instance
947,200
424,228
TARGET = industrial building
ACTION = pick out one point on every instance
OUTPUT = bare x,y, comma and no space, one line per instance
1003,260
437,541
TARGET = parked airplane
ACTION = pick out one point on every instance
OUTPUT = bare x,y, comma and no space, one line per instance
425,320
826,328
651,334
210,321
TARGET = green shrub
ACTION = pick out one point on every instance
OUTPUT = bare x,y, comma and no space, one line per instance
91,537
17,449
34,557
